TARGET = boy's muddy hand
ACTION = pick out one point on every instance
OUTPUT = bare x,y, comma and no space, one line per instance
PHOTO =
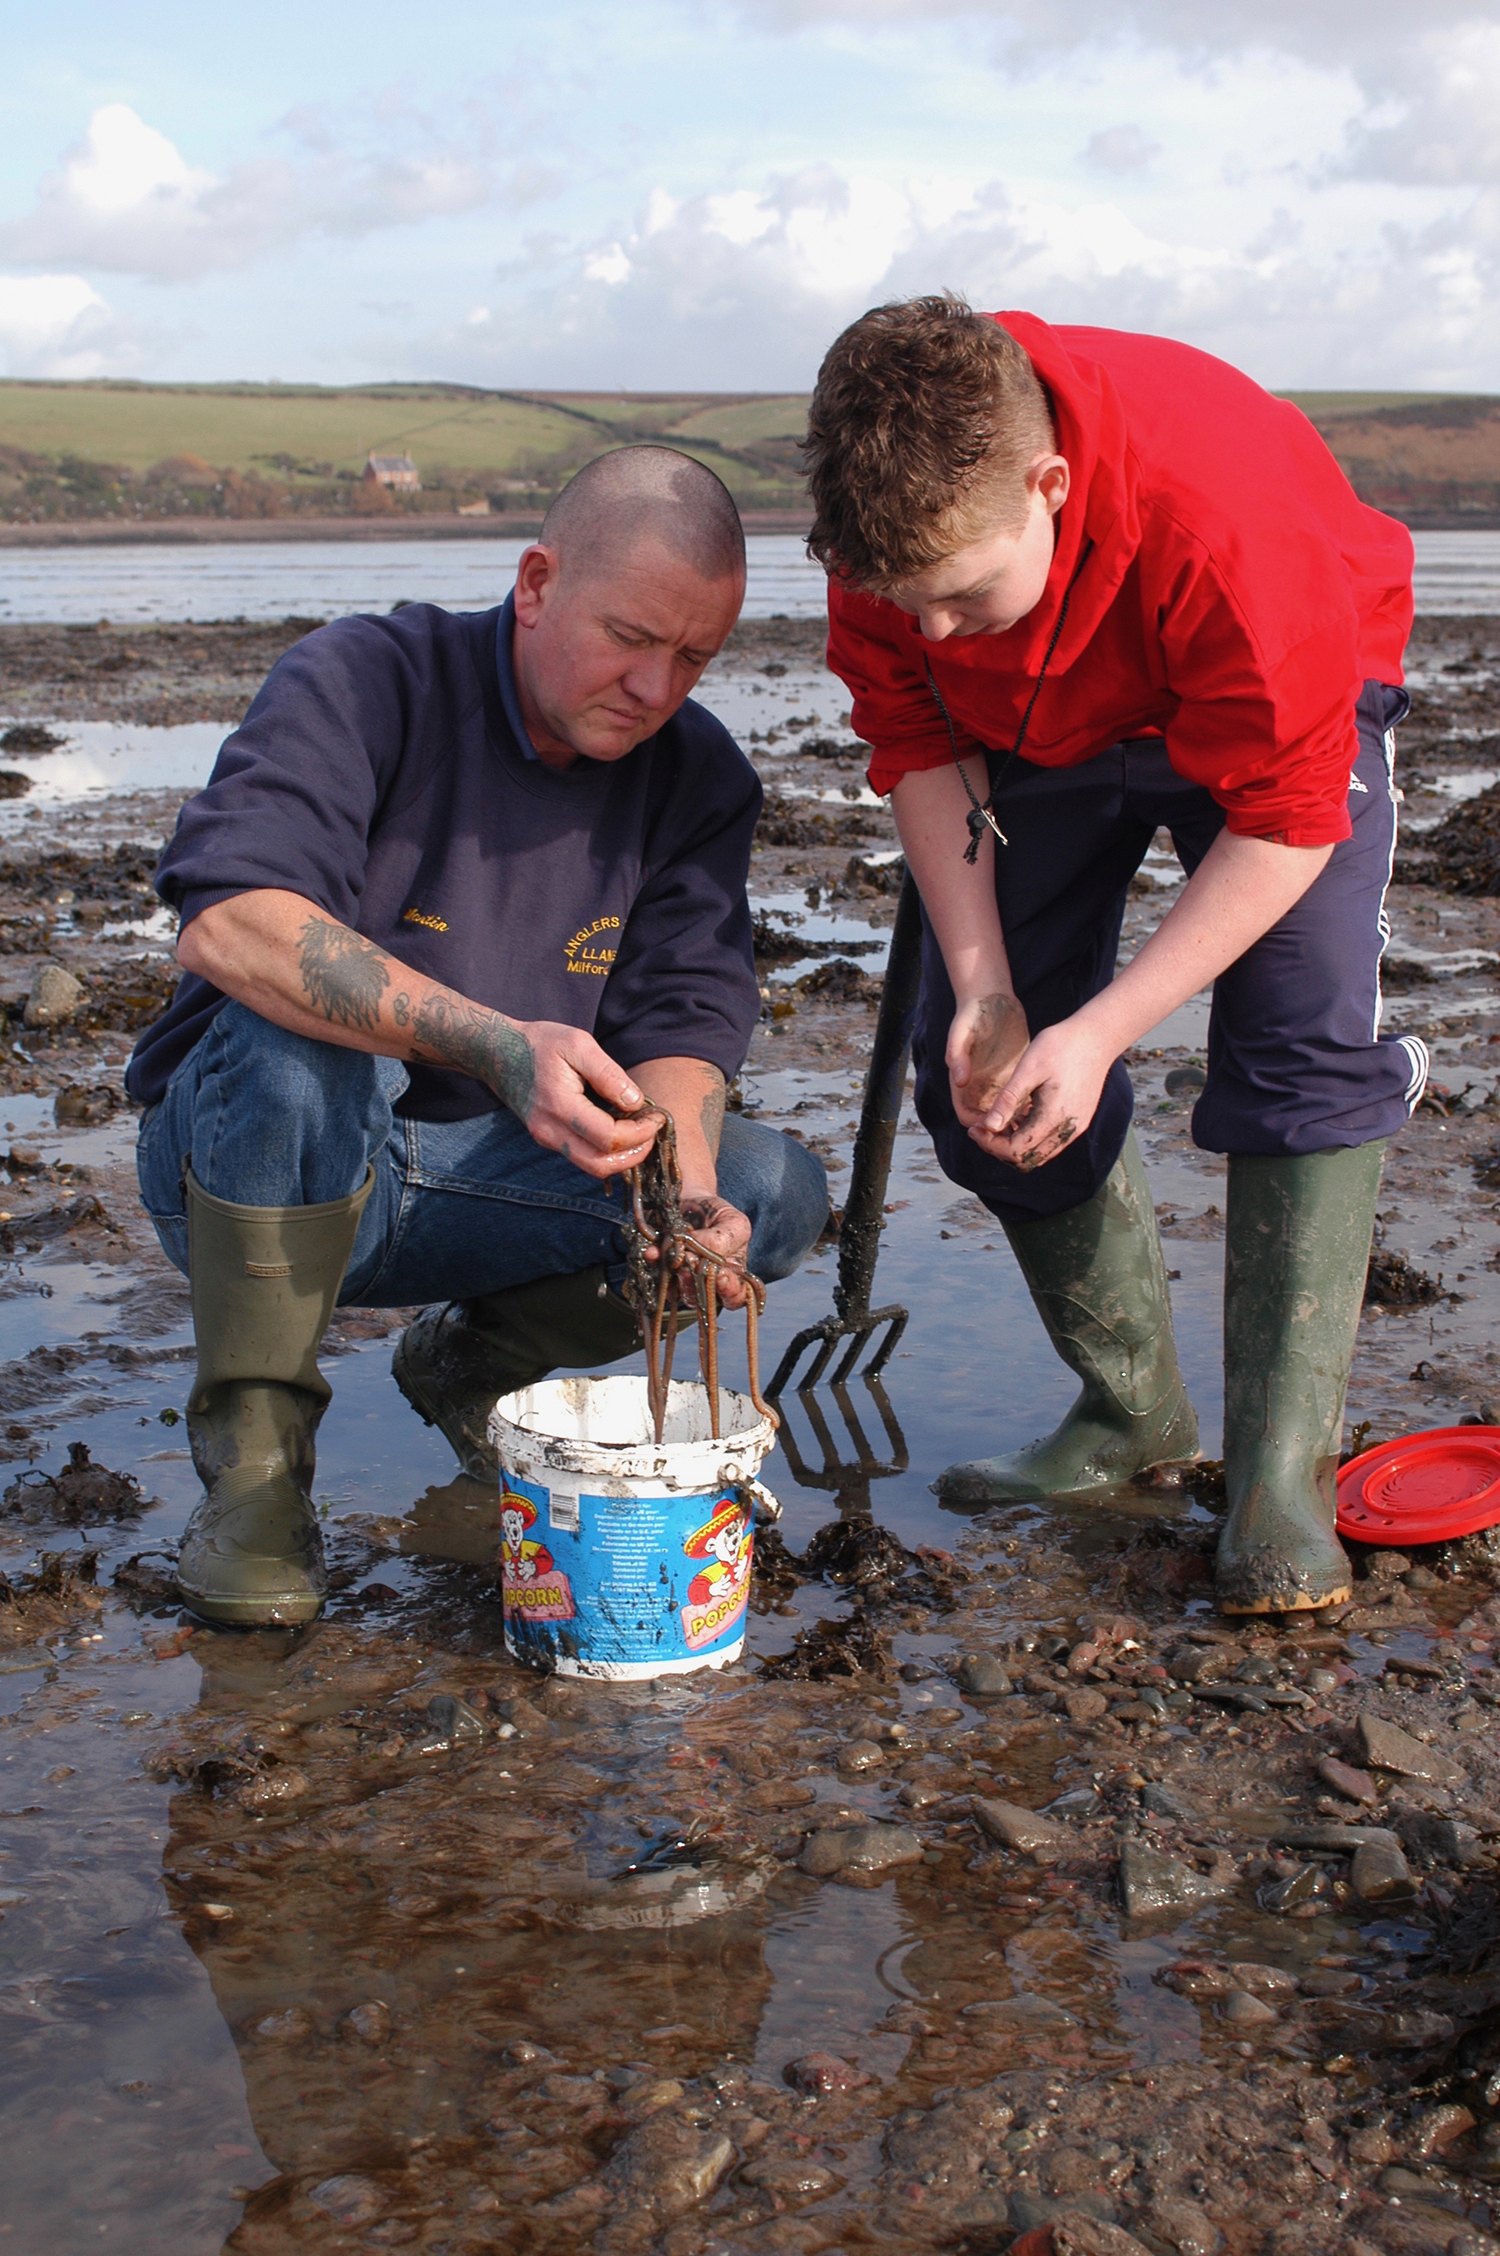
986,1043
1049,1100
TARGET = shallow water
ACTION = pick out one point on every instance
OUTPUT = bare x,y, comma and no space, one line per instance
1456,574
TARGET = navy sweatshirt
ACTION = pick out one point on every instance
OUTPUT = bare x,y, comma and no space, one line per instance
377,774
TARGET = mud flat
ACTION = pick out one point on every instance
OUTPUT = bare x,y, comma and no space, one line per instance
1003,1889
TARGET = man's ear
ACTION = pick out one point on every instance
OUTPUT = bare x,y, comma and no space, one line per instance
537,576
1050,476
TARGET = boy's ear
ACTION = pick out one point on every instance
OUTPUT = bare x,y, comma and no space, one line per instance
1051,477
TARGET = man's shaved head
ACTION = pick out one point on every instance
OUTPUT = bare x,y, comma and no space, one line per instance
646,493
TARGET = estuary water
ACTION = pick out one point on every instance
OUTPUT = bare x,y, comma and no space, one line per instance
1457,573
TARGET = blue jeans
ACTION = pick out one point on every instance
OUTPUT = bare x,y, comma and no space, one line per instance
458,1207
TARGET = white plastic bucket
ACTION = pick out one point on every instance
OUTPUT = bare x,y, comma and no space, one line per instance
622,1556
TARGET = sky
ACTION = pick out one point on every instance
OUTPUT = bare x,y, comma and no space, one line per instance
661,194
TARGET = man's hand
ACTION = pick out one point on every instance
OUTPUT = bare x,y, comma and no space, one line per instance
723,1229
986,1042
1049,1099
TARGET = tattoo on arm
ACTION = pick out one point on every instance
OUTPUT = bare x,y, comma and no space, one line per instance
464,1035
711,1113
343,975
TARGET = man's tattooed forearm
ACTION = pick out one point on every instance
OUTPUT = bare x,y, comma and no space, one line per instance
470,1039
343,976
711,1113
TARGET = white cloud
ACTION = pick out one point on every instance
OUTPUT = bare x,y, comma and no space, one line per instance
125,201
55,325
1120,148
746,291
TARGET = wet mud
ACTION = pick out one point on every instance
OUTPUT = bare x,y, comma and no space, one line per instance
1003,1894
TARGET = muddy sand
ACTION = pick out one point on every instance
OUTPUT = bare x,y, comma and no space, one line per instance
1002,1895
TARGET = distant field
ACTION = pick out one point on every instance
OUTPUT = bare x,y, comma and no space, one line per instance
469,436
124,450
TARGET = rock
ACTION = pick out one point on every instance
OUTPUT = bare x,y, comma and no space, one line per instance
1199,1664
1336,1840
1354,1785
1152,1883
1387,1566
1298,1888
1328,1982
668,2167
788,2178
454,1720
1160,1801
1084,1706
823,2072
1436,2128
1380,1873
1261,1981
348,2200
294,2026
522,2053
1183,2227
860,1754
1023,2012
983,1674
54,997
1017,1828
268,1787
1387,1747
371,2022
1245,2011
647,2095
873,1846
1080,1803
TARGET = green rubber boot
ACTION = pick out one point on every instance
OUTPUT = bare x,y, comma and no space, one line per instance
1297,1251
1100,1285
457,1359
264,1280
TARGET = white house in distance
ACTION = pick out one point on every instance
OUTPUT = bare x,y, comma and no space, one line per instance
396,470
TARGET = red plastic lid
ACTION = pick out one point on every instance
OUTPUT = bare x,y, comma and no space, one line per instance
1426,1488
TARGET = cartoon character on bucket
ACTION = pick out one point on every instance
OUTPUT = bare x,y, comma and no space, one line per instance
529,1578
717,1595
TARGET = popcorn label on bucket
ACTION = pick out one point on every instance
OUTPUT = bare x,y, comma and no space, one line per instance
624,1586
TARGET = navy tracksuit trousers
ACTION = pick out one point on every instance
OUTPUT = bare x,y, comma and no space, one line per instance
1296,1060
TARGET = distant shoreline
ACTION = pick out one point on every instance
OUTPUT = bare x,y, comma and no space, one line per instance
109,532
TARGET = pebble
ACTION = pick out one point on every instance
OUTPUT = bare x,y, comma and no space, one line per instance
1323,1983
291,2027
1160,1801
370,2022
983,1674
1261,1981
1380,1874
1151,1882
1245,2011
649,2094
1386,1747
1436,2128
1017,1828
1296,1889
1199,1664
348,2200
268,1787
1185,1081
860,1754
1023,2012
1386,1566
669,2166
1080,1803
1322,1680
53,998
868,1847
454,1720
522,2053
1354,1785
823,2073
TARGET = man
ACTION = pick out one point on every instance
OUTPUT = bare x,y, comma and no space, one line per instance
1084,584
461,891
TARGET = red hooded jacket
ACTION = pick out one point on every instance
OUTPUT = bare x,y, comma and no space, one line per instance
1236,596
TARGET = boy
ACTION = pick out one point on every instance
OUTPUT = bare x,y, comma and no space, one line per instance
1084,584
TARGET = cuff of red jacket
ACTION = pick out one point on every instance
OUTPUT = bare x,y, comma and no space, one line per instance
1329,829
887,768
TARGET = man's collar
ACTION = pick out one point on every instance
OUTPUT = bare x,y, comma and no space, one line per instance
510,697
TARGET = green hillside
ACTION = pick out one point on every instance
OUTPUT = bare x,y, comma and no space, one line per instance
148,449
137,451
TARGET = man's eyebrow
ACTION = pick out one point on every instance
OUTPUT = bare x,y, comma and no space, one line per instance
647,634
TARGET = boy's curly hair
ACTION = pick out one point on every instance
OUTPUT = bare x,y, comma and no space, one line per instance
925,420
